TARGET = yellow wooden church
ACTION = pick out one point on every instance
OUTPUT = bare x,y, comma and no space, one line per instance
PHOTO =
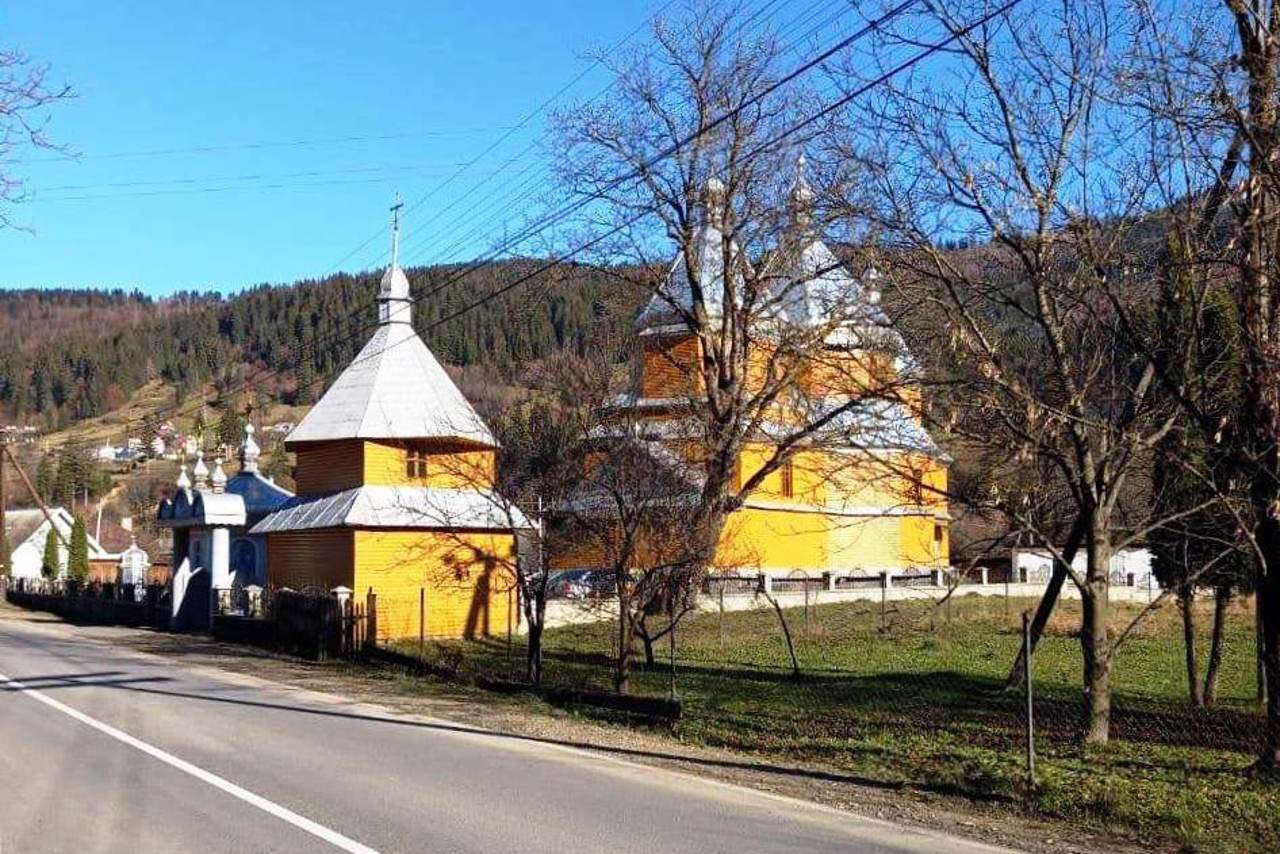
395,491
870,502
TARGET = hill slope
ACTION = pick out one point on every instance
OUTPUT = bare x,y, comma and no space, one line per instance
69,355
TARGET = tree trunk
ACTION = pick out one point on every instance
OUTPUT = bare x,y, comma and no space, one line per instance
1047,602
1221,598
1186,603
622,666
533,654
786,634
647,640
1095,645
1268,604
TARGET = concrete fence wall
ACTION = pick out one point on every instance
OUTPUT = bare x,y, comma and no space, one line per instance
563,612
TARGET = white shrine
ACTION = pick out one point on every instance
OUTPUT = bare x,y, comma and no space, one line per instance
215,557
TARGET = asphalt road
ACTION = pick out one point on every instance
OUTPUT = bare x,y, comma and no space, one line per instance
103,750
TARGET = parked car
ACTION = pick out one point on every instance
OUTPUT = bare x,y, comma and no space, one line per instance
579,584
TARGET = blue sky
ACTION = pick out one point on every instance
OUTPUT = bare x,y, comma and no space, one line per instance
271,87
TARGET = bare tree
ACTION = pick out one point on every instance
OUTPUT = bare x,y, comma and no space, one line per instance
1023,246
25,98
696,149
1213,81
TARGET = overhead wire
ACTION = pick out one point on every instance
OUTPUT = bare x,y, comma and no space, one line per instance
827,110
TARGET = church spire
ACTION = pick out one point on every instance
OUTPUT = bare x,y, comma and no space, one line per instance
393,294
800,199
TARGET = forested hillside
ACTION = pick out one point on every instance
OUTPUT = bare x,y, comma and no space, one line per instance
72,354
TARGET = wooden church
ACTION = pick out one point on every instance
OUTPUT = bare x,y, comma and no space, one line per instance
395,477
870,502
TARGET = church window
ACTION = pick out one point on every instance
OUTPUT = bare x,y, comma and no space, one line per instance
788,480
416,463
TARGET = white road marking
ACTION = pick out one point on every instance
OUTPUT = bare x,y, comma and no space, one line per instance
271,807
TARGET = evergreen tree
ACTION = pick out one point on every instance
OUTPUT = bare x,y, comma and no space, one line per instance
78,554
50,566
46,475
230,428
199,428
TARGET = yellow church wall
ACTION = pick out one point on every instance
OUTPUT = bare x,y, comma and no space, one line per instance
781,540
758,539
467,577
449,466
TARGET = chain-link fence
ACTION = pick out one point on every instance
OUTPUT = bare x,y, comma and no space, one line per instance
910,685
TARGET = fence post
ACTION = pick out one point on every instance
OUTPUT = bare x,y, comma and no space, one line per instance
422,624
1027,678
371,618
884,588
721,626
671,639
806,606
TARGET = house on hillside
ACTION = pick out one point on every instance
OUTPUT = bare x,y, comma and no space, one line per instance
28,528
395,476
869,496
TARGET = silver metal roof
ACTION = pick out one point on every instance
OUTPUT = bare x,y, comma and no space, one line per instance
394,389
397,507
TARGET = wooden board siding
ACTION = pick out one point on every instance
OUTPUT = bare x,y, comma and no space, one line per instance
448,466
320,559
671,366
759,539
324,467
467,578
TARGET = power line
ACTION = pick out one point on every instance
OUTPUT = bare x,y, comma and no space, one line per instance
217,179
514,197
254,146
762,148
503,138
847,98
316,341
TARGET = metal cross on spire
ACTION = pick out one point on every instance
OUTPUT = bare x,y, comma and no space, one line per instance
395,231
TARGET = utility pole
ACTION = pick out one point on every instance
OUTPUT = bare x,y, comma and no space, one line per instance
26,481
4,538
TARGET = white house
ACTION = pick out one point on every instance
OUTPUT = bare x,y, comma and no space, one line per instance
1129,567
27,529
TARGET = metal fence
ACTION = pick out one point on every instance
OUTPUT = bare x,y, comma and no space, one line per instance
97,602
915,690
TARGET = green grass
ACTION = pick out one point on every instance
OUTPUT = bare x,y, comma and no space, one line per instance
913,696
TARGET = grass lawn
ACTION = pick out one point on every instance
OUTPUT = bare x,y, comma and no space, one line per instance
913,696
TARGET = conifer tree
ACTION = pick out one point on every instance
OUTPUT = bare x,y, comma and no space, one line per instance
78,555
230,427
49,564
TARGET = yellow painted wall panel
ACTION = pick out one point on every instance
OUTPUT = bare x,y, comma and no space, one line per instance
467,578
448,466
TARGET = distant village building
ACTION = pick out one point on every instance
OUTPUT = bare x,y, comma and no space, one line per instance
28,528
135,564
870,502
1128,568
395,477
215,554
